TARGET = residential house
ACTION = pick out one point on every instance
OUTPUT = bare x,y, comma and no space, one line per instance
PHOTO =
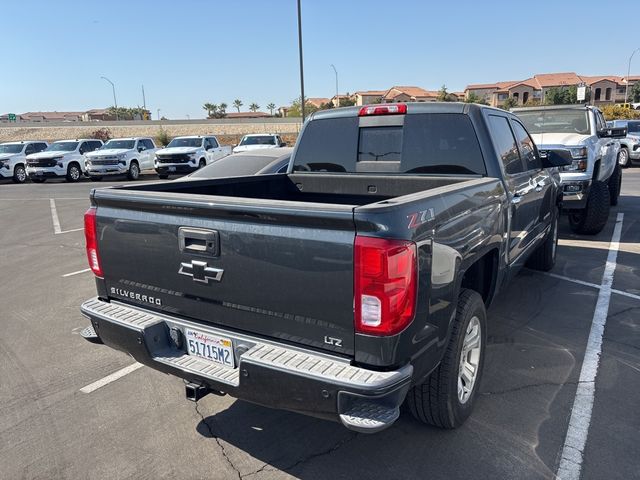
367,97
409,94
317,101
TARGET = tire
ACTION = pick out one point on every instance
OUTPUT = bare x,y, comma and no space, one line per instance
615,185
73,173
38,180
623,157
163,176
19,174
134,171
544,257
593,217
440,400
202,163
95,179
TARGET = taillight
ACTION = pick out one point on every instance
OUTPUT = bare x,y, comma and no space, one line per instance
91,237
384,285
396,109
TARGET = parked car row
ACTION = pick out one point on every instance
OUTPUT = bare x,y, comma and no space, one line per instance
630,145
73,159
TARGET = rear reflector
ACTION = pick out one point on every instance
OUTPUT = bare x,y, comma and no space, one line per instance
91,238
371,110
384,285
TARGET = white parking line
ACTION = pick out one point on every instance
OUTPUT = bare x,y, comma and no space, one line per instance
588,284
573,450
56,221
76,273
92,387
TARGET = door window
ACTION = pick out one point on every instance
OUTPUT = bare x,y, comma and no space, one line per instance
505,144
213,142
527,147
30,149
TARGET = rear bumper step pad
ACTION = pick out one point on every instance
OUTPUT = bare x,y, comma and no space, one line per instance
267,373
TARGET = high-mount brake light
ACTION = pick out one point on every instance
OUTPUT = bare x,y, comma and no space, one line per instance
385,285
372,110
91,237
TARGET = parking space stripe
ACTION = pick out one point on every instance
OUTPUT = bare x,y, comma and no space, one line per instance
92,387
587,284
573,449
54,217
76,273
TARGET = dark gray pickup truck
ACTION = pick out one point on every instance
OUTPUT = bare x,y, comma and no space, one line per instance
354,282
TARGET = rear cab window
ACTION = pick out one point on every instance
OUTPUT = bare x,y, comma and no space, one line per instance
419,143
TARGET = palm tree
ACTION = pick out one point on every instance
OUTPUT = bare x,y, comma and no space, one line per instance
237,103
223,108
271,107
209,107
254,107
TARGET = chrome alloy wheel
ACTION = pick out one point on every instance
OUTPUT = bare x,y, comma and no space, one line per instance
469,360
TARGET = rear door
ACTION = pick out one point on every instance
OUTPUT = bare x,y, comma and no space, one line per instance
278,269
519,184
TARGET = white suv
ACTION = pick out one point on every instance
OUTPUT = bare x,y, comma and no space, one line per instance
259,141
13,157
64,158
121,156
187,154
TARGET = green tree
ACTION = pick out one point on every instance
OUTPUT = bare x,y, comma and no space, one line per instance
209,108
222,109
237,103
271,108
347,101
443,94
473,97
254,107
634,92
561,95
296,110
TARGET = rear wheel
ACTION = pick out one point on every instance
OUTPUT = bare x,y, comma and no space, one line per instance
615,185
544,257
593,217
447,397
73,173
623,157
134,171
19,174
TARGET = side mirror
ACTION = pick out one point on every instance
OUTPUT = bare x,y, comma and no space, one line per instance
283,144
557,157
140,149
617,132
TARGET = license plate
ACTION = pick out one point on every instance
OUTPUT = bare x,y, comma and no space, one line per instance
210,347
172,169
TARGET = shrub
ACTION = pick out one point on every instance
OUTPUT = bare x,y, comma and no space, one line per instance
162,137
103,134
618,112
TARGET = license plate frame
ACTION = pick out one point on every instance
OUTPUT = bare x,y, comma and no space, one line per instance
213,348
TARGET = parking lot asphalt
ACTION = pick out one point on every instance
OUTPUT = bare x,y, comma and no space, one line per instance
141,426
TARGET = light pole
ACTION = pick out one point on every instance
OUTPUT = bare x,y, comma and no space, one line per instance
302,102
337,95
115,102
626,90
158,114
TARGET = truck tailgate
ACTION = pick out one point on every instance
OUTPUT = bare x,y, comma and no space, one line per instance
279,269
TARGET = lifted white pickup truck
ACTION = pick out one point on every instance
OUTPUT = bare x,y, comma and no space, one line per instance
187,154
64,158
13,158
592,182
121,156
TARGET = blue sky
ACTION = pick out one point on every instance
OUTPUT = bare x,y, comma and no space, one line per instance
189,52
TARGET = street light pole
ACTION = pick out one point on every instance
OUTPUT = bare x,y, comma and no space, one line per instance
158,114
626,90
115,102
302,101
337,95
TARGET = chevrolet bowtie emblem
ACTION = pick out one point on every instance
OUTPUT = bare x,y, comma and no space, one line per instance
200,271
